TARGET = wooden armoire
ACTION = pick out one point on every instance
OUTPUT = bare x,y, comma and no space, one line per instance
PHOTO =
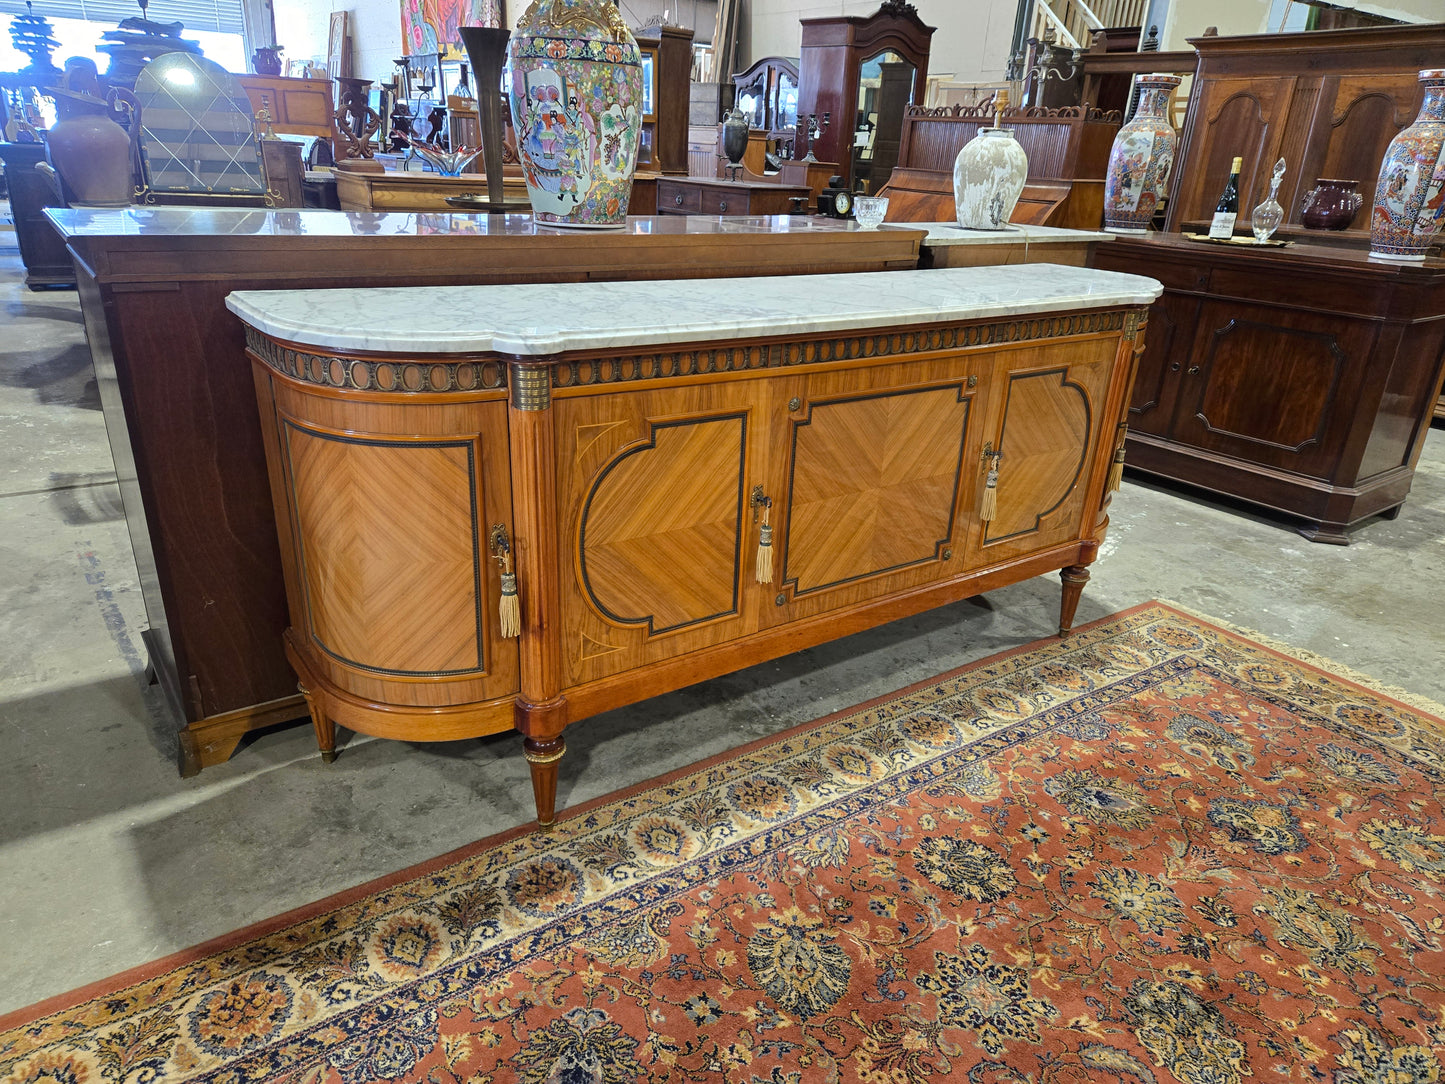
830,63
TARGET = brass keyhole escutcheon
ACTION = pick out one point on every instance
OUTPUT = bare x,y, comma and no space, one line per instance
781,600
795,403
948,555
973,381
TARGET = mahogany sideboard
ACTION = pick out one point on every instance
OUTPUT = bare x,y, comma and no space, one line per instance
676,498
180,408
1300,379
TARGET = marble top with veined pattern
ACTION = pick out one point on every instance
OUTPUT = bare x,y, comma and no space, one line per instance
546,319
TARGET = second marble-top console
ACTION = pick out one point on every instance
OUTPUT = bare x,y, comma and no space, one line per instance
683,477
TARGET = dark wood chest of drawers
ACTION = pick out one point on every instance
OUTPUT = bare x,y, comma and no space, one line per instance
713,196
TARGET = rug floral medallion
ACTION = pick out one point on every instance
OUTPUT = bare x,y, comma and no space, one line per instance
1155,851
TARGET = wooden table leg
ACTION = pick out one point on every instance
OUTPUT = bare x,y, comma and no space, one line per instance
323,725
542,758
1074,577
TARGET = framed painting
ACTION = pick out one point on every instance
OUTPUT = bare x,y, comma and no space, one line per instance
430,26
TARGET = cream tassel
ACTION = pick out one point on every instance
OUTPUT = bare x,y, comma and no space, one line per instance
989,509
509,607
1116,471
764,569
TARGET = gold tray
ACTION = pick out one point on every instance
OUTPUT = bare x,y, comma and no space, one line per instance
1238,239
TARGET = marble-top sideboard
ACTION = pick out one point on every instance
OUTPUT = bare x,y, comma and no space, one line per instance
948,245
553,500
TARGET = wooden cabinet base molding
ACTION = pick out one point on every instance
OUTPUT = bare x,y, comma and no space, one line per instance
901,457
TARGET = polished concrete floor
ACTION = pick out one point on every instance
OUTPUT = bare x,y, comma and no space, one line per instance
109,859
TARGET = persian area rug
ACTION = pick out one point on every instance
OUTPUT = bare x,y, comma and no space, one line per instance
1156,851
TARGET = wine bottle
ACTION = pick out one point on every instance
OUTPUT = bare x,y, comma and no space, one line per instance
1227,210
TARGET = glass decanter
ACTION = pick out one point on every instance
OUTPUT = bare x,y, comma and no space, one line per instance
1265,218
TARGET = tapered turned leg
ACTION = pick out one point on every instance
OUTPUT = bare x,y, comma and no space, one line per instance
542,758
324,727
1074,577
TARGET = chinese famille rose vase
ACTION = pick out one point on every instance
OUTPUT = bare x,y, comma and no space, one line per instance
1410,196
576,95
1140,160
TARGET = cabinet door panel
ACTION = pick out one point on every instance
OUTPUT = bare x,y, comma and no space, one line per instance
1272,387
1166,352
392,587
653,492
877,478
1046,424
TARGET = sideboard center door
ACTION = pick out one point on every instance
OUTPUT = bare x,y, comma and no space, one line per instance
654,491
877,483
1045,421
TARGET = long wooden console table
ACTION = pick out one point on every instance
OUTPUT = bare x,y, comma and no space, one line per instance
180,408
685,478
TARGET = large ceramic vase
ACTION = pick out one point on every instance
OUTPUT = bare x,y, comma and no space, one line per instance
1140,160
576,95
90,151
1410,196
988,178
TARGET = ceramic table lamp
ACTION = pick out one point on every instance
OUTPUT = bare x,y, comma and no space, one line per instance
989,174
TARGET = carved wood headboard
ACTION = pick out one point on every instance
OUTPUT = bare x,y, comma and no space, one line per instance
1067,149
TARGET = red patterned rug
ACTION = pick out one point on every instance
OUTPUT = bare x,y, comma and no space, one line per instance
1155,851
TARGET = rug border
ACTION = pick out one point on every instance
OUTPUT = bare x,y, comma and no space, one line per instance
112,984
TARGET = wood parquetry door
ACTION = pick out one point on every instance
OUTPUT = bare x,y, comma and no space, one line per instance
654,504
878,485
1045,420
393,589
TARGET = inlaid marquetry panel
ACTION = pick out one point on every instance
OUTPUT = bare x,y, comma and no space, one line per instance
874,485
1045,435
1046,422
660,538
387,540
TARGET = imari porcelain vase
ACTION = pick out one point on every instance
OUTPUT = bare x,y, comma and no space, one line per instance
1410,195
1140,160
576,95
988,178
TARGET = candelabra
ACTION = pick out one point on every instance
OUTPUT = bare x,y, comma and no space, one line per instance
813,131
1048,63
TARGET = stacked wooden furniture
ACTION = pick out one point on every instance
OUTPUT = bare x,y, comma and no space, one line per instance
1300,379
180,409
631,486
1067,149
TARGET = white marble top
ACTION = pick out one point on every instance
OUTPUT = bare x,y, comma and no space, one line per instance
546,319
949,233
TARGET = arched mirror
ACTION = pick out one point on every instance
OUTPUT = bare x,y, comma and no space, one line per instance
197,135
885,90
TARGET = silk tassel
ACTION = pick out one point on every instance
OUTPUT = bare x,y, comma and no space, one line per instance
764,570
990,494
1116,471
509,606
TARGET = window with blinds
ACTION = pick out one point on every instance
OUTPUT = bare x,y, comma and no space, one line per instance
223,16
